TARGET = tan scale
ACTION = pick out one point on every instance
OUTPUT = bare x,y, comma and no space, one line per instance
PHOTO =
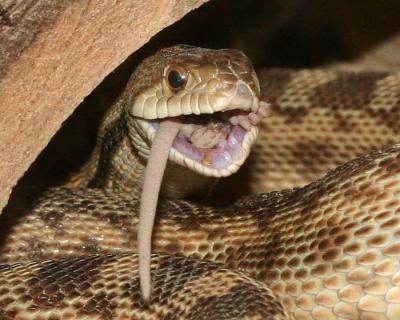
328,250
312,131
315,271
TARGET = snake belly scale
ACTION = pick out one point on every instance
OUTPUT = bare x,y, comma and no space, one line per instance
326,250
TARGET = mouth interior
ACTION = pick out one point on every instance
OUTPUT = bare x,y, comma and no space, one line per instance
214,140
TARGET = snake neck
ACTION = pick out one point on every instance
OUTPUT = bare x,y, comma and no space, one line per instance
118,161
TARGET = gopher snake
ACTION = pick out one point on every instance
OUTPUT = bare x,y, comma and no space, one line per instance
328,250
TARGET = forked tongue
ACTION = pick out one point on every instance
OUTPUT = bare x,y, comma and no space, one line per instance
153,175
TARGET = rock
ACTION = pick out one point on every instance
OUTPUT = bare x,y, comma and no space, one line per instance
53,53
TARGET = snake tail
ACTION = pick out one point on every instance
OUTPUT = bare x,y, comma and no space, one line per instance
153,175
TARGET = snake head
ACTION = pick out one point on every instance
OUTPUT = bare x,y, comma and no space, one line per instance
214,93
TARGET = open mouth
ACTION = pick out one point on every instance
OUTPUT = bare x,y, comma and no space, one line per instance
202,115
214,144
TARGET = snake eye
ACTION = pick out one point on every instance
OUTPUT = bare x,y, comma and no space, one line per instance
177,77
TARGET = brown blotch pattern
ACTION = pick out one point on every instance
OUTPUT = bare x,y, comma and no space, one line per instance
57,280
320,119
350,90
251,305
108,289
328,250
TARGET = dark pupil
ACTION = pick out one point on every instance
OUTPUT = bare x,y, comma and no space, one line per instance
175,79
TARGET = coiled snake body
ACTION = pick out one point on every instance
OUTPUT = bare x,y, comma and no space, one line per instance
328,250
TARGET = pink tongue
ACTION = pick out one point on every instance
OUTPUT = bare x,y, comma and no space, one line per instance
153,174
